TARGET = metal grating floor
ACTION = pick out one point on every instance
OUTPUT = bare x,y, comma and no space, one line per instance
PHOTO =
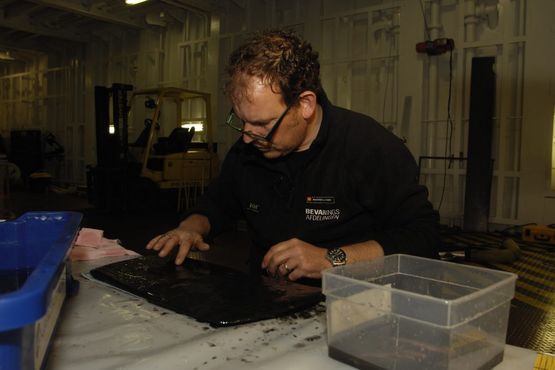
532,314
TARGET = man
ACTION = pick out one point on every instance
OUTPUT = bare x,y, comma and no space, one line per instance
318,185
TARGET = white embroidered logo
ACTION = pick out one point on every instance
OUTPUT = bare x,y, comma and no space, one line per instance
316,214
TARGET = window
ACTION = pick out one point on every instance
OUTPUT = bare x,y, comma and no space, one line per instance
199,129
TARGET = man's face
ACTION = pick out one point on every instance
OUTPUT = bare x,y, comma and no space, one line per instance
260,108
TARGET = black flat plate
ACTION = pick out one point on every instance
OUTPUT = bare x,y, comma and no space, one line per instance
209,293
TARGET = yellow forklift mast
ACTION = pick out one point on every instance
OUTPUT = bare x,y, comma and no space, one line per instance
185,158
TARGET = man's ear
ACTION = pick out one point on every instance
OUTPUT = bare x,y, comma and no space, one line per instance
308,103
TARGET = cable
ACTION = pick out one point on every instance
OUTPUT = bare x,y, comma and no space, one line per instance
387,73
427,29
448,134
448,162
450,125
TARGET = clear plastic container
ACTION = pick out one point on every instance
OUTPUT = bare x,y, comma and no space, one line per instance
405,312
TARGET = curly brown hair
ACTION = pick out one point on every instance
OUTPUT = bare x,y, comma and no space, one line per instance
278,57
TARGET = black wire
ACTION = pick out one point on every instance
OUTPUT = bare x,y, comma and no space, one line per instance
388,72
429,38
449,117
448,134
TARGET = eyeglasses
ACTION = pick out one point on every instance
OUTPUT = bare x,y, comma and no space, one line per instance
238,124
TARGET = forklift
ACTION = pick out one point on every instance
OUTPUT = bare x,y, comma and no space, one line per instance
174,154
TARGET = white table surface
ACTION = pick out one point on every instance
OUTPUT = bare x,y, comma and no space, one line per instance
104,328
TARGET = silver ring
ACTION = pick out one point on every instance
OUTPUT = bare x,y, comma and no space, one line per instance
286,268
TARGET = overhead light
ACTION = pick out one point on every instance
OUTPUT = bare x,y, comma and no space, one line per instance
134,2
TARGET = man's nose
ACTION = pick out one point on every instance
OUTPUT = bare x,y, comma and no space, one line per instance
247,139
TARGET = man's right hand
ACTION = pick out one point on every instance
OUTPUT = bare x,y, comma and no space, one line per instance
187,236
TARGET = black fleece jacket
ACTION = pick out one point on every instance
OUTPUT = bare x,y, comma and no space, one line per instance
357,182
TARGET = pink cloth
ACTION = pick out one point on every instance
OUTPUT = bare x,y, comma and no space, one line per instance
91,244
89,237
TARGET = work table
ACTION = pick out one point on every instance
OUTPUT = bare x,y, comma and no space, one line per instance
104,328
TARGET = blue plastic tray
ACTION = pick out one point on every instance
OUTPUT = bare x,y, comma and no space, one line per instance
33,251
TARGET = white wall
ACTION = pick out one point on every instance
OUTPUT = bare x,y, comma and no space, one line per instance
537,200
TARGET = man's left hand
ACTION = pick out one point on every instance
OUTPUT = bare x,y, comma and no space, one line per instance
294,259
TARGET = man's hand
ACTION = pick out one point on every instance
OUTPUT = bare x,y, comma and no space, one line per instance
295,259
186,240
187,236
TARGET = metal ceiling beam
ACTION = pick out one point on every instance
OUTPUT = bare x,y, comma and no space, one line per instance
40,43
205,6
93,12
26,26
